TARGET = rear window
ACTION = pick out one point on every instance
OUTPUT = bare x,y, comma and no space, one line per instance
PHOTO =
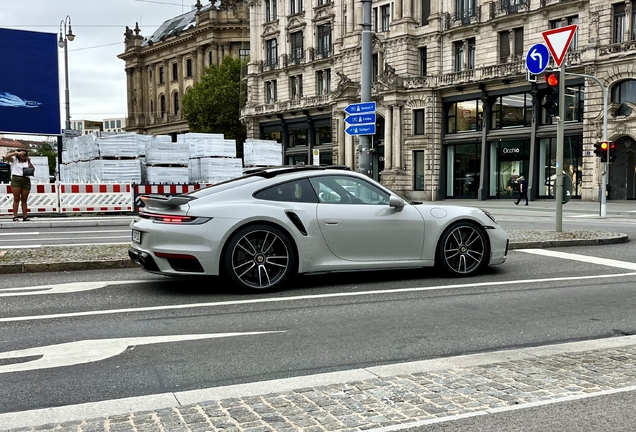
230,184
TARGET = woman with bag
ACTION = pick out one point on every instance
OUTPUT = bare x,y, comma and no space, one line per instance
21,168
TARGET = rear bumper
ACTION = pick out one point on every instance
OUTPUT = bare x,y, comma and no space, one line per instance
144,259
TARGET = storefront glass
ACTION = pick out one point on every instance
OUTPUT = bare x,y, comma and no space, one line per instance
465,116
512,111
463,167
572,164
508,160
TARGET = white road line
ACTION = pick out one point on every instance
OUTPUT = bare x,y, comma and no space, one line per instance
70,236
581,258
583,216
305,297
12,234
63,288
64,245
88,351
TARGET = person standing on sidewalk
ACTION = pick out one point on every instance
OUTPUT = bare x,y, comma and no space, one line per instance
20,184
523,190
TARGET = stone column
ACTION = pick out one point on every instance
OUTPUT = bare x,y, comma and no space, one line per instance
351,15
397,137
181,76
408,9
197,56
153,95
167,71
398,10
388,138
349,151
129,92
138,93
219,54
340,136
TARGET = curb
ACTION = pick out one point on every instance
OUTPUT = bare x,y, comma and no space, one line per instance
543,244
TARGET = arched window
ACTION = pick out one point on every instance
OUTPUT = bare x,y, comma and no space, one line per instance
152,108
624,91
150,75
175,99
162,104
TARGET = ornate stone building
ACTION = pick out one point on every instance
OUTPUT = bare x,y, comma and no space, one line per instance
457,117
161,68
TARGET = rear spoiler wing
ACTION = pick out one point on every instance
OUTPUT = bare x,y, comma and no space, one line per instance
165,201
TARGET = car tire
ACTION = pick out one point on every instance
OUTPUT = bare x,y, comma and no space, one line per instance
463,249
260,258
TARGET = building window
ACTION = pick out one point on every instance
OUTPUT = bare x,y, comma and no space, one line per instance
504,46
423,61
426,11
210,58
418,122
323,81
270,92
518,43
323,135
244,54
376,66
465,116
385,13
150,75
271,54
175,72
624,91
175,102
295,6
472,49
296,53
458,47
297,137
418,170
619,22
464,10
162,105
152,108
106,125
633,34
112,124
512,111
567,21
162,78
118,124
324,40
270,10
296,87
189,68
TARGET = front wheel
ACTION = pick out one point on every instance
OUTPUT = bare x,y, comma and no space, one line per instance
463,249
259,257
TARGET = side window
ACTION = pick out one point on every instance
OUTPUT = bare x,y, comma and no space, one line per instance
347,190
295,191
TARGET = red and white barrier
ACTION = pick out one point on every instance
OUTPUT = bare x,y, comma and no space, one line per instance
42,199
94,198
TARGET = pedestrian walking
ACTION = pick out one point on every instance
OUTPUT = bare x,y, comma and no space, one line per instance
523,190
20,183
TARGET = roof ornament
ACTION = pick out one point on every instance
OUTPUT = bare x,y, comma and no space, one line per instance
137,29
198,5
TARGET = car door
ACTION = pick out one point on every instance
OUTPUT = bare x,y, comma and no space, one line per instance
358,225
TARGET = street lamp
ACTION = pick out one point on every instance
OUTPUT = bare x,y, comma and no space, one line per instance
63,43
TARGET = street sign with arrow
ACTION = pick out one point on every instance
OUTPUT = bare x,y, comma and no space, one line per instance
537,58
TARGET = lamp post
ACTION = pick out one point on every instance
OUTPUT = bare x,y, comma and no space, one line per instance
63,43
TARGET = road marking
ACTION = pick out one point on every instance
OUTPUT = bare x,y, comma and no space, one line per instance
582,258
70,236
64,288
87,351
35,246
22,233
304,297
583,216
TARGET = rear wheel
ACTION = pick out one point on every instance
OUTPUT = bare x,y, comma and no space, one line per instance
260,257
463,249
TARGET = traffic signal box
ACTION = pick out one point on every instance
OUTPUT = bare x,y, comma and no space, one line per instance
551,104
606,150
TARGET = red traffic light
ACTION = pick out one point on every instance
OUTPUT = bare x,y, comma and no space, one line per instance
552,79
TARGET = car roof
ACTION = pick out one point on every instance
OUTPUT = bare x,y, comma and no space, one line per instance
270,172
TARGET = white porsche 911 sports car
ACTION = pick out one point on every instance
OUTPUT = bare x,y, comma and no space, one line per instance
261,229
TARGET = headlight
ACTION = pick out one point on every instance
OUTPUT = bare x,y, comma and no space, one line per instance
489,215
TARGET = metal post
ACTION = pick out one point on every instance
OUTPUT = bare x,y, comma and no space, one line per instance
603,200
66,92
366,159
559,152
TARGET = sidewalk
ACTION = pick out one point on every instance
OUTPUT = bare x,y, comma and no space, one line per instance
381,398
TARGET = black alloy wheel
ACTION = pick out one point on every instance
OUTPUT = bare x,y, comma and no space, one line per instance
260,257
463,249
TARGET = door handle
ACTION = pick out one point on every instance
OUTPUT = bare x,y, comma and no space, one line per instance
332,221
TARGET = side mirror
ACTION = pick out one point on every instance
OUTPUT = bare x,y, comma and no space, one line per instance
396,202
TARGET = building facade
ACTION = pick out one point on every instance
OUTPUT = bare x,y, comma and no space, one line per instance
457,117
115,124
161,68
86,126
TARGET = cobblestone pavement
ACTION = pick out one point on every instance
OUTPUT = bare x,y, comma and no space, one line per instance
391,400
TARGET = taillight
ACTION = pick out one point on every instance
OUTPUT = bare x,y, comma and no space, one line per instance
171,219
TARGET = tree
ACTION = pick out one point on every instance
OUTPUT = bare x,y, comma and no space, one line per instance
213,105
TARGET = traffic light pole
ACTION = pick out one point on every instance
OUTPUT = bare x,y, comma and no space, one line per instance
603,209
559,152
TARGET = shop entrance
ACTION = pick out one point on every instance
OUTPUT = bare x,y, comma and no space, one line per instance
622,172
508,160
463,168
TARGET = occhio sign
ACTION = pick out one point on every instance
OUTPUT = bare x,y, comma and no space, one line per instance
511,150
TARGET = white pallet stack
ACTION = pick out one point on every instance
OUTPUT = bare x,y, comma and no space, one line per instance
166,162
262,153
217,170
42,172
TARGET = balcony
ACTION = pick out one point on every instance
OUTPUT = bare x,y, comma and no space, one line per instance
297,57
268,65
508,7
288,105
462,18
617,48
320,53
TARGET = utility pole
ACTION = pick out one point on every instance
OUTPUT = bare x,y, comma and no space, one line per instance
559,152
365,164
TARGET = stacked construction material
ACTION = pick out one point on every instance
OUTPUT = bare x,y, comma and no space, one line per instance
41,165
212,157
166,162
262,153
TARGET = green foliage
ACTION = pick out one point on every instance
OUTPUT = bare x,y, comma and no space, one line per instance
213,105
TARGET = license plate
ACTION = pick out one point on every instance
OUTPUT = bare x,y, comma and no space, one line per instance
136,236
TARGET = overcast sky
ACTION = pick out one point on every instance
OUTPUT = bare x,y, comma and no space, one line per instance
97,80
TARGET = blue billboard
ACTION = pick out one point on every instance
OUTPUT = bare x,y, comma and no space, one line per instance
29,83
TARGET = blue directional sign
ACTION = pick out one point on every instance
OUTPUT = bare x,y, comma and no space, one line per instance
364,129
360,108
537,58
359,119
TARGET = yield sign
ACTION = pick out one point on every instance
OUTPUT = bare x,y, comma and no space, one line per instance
558,40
